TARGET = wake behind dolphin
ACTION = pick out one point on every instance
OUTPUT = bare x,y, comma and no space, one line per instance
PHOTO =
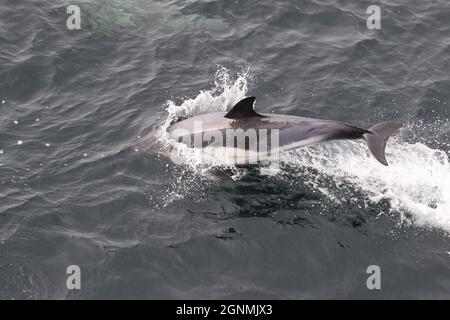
233,130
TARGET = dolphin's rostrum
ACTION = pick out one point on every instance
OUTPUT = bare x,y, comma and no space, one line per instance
292,132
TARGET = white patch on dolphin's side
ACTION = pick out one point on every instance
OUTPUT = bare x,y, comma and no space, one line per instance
302,143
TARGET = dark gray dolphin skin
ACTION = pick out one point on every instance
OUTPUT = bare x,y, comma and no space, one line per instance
294,132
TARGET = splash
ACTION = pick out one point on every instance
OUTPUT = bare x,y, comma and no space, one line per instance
192,177
225,92
416,183
228,89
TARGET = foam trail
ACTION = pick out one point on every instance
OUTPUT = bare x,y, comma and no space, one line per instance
416,182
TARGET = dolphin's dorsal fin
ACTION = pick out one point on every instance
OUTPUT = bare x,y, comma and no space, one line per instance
243,109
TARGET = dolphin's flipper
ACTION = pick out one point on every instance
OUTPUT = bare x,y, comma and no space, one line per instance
377,138
243,109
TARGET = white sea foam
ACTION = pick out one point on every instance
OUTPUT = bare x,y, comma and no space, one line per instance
417,181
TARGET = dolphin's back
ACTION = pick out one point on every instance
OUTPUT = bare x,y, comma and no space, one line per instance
293,132
202,123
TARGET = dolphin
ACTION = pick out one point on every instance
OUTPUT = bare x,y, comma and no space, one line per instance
291,131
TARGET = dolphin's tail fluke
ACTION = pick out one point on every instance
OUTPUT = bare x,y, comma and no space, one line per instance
377,137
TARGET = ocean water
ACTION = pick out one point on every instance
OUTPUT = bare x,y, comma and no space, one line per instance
78,188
